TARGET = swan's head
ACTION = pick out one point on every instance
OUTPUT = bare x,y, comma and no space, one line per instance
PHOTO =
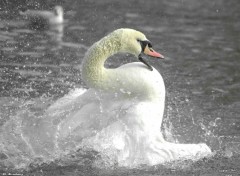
136,43
58,11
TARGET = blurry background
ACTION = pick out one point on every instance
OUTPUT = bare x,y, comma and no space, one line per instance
200,40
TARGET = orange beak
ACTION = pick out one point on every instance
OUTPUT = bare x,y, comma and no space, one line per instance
150,52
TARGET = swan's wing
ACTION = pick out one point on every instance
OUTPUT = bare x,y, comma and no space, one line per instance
89,113
66,101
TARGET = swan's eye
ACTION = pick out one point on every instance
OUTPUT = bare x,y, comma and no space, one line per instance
145,43
149,45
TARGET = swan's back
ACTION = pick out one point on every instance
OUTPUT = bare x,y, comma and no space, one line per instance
136,80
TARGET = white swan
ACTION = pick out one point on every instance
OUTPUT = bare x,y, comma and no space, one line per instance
119,116
41,17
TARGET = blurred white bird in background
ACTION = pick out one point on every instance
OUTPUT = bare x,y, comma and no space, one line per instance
42,18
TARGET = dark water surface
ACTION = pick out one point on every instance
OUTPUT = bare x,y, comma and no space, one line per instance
201,42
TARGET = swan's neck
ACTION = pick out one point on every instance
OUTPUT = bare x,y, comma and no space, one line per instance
93,71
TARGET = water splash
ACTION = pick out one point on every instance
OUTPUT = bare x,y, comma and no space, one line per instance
27,139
